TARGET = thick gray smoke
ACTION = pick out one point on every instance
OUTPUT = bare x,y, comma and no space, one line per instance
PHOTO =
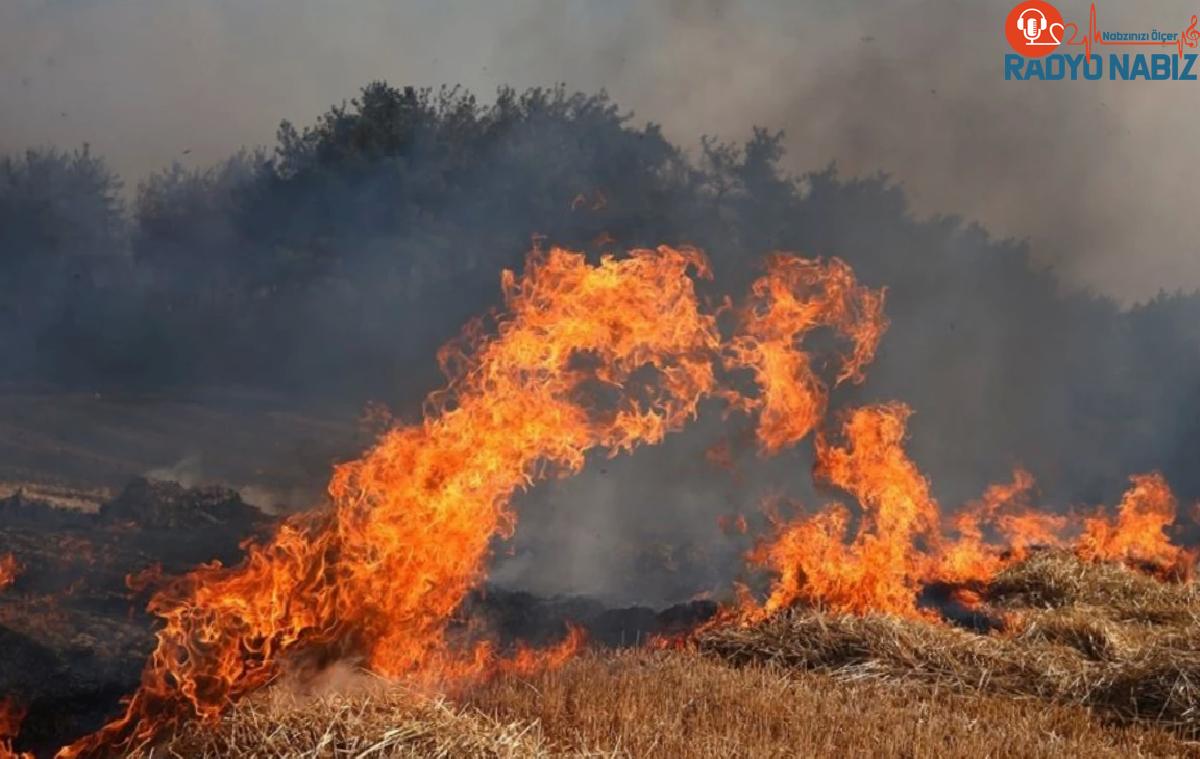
1095,174
335,271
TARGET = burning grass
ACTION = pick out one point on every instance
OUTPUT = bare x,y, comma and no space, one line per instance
10,569
1072,632
1090,659
681,704
610,357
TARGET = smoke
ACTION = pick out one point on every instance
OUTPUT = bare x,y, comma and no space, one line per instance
1090,173
1094,174
191,471
1002,364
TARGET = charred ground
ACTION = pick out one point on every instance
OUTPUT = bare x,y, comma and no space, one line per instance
73,622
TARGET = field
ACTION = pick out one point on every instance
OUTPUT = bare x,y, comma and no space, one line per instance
1054,656
679,704
78,449
1082,660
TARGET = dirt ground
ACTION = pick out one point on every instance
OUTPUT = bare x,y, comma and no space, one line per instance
77,449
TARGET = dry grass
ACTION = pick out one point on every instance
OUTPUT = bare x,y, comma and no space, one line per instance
678,704
1054,580
1094,661
1086,634
361,721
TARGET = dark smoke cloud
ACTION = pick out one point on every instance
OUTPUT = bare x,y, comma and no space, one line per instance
1000,364
1095,174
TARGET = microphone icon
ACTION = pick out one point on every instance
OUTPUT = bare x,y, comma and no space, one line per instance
1039,28
1031,23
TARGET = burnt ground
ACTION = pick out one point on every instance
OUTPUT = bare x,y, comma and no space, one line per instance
74,635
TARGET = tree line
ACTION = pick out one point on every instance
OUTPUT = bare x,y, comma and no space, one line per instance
333,264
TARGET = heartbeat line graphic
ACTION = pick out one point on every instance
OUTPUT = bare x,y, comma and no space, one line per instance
1188,38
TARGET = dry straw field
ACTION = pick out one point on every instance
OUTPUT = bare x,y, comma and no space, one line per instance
1081,659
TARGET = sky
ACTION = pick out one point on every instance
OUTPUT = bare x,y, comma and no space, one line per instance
1095,175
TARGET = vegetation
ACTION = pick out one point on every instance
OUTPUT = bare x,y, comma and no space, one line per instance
1089,660
332,267
1069,632
668,703
370,719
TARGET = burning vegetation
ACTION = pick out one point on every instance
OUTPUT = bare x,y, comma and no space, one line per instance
610,356
11,715
10,569
902,545
1063,629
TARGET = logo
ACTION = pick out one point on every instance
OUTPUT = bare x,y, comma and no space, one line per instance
1048,46
1034,28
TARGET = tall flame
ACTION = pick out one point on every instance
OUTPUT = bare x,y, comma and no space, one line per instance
796,296
902,542
582,357
1138,533
878,570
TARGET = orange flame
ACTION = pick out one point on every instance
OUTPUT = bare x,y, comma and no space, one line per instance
608,356
11,716
796,296
902,544
10,570
878,570
1007,510
584,357
1138,533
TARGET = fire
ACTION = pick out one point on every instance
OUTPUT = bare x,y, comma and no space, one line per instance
582,357
586,358
903,543
527,660
883,566
11,715
1006,510
10,570
1138,533
796,296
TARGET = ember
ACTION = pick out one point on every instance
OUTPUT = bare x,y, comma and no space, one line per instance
10,569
